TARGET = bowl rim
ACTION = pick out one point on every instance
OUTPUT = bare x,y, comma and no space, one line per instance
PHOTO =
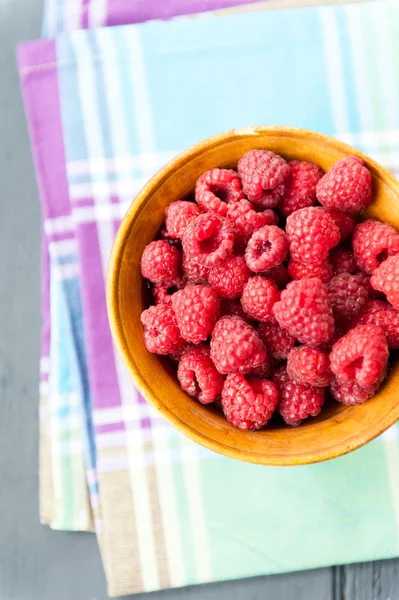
112,291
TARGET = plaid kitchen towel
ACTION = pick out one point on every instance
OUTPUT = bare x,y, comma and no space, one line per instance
173,513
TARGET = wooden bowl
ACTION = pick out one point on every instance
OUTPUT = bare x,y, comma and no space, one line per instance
338,429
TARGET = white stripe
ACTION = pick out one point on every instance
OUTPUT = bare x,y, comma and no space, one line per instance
95,145
115,439
196,509
372,137
68,448
95,501
44,388
63,224
51,13
72,423
43,413
97,13
101,212
73,15
139,85
45,365
64,272
119,164
91,475
390,434
131,459
333,60
66,400
62,248
98,525
359,67
105,189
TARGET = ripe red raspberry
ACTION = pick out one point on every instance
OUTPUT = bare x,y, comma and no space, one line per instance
235,346
246,219
178,215
300,270
351,393
217,188
346,185
300,189
386,279
160,263
229,277
279,275
311,234
297,401
278,342
342,260
161,332
267,248
163,293
343,220
264,176
258,297
248,403
361,356
231,308
383,315
347,297
373,242
198,375
309,365
196,308
193,272
208,240
305,311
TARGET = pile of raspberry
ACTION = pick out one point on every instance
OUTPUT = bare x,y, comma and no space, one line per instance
271,293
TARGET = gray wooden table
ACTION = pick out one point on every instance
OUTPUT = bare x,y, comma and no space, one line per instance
35,562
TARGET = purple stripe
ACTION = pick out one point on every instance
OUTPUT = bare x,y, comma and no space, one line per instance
110,427
45,299
60,237
82,202
85,15
100,353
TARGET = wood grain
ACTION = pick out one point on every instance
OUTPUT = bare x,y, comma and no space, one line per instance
339,428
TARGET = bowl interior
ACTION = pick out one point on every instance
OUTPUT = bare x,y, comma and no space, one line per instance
338,429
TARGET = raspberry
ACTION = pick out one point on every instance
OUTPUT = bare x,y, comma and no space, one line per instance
267,248
178,215
344,221
297,401
230,308
235,345
305,311
309,365
361,356
163,293
342,260
160,263
347,297
311,234
193,272
161,332
301,187
246,219
216,188
373,242
351,393
299,270
386,279
278,342
279,275
196,308
208,240
346,185
198,375
383,315
229,277
264,176
248,403
258,297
